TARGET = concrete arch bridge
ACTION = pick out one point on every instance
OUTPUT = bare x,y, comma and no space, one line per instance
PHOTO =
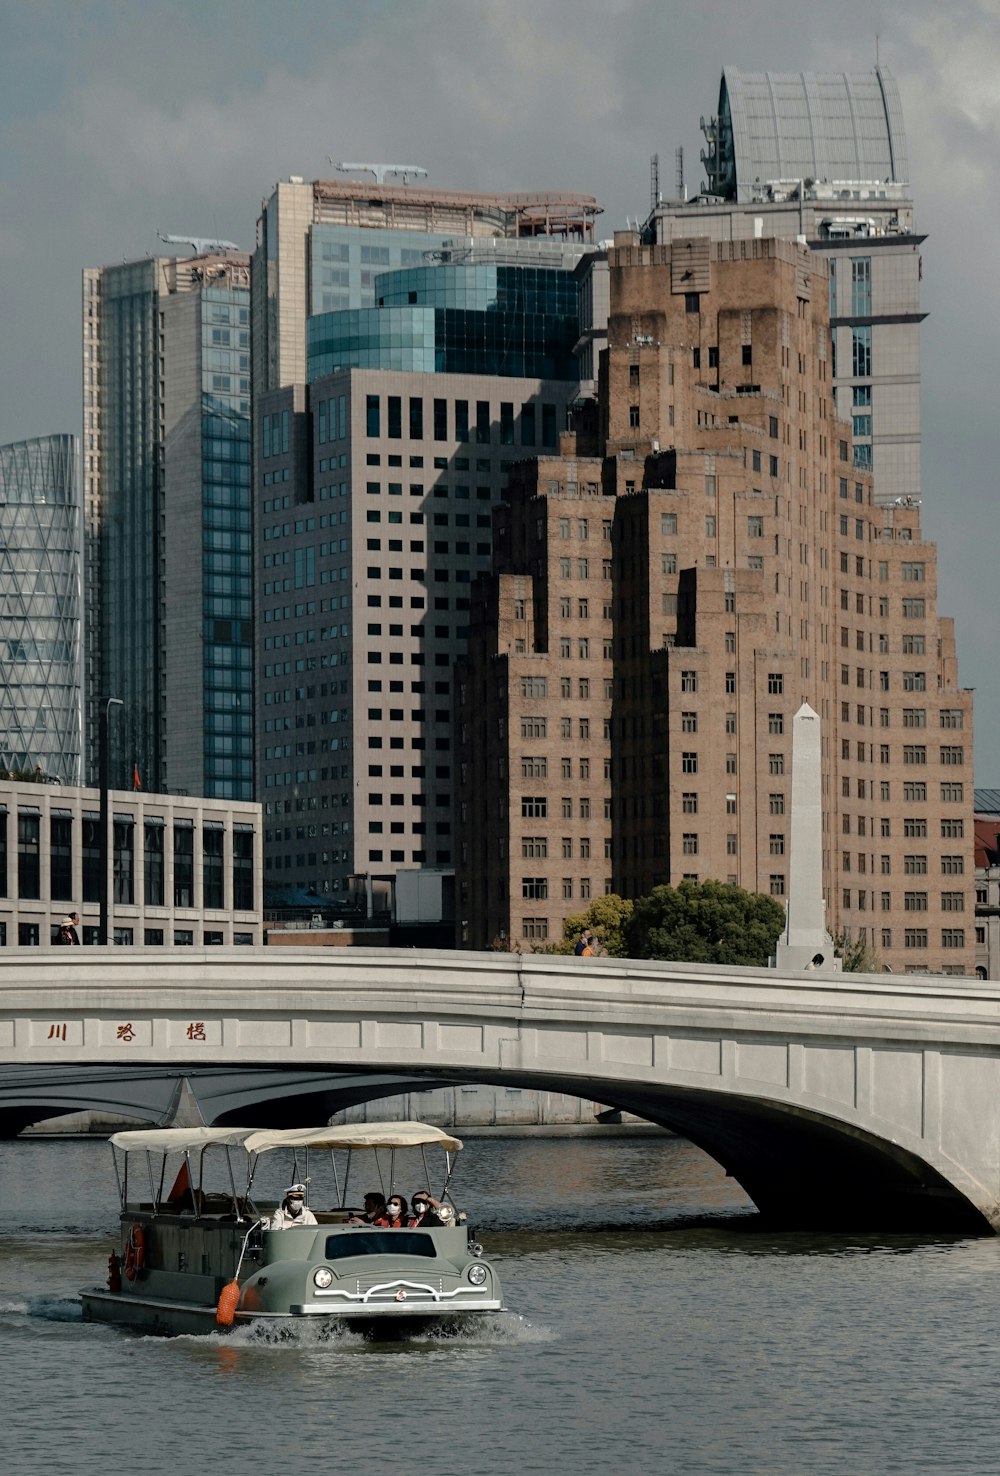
835,1100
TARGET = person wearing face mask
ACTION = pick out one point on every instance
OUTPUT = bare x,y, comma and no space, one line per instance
395,1213
425,1210
292,1211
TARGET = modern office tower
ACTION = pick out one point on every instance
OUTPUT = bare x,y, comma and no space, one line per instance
41,550
375,517
665,598
168,525
321,245
822,158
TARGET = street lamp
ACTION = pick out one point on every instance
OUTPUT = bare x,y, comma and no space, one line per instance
104,765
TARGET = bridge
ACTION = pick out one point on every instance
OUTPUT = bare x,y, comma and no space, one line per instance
835,1100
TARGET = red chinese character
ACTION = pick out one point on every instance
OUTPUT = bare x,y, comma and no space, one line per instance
57,1032
125,1032
196,1030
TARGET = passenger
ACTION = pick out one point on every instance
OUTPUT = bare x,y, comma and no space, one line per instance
293,1211
585,944
395,1213
425,1210
374,1207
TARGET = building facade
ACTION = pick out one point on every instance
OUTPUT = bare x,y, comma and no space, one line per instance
822,158
665,598
41,609
408,346
180,871
168,521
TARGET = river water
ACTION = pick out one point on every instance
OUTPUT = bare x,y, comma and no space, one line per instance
654,1324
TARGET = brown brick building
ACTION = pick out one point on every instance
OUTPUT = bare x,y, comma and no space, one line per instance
668,591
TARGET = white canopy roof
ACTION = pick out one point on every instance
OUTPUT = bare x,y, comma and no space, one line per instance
353,1135
254,1140
179,1140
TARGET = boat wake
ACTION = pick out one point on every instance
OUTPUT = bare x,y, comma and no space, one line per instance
506,1329
49,1309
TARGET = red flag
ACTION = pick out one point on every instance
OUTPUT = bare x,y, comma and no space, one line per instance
136,781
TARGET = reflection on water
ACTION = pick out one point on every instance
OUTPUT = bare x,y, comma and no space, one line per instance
654,1322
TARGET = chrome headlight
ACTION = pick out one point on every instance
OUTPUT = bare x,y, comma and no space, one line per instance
477,1274
322,1276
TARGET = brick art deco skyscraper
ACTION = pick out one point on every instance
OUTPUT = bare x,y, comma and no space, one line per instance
669,592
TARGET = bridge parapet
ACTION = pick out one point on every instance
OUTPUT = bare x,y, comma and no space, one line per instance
877,1093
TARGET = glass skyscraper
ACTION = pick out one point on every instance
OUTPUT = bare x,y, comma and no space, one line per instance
167,498
40,607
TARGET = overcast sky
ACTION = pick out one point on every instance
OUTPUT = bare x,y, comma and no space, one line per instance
118,117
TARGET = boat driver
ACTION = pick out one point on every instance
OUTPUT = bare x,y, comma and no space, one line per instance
293,1211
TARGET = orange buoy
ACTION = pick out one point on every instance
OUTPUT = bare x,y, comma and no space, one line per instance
226,1309
114,1272
135,1252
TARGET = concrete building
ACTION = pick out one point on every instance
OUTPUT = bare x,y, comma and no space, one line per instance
666,595
180,870
408,345
168,535
41,610
822,158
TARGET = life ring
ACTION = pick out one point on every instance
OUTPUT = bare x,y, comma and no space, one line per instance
135,1252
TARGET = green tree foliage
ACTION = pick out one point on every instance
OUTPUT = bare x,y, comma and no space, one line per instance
704,922
607,917
858,957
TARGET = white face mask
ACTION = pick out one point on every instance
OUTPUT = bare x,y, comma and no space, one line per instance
394,1208
420,1207
295,1206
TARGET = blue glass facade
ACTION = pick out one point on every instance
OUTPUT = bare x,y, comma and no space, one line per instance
481,318
345,261
40,607
227,564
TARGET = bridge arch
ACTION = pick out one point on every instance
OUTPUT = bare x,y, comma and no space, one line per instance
870,1102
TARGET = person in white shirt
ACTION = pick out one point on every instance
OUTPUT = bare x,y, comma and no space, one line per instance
292,1211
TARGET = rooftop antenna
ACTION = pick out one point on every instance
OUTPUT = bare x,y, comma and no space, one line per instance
654,182
679,166
380,170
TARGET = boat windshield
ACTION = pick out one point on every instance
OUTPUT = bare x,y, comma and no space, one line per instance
379,1243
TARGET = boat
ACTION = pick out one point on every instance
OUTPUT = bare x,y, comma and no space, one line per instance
201,1256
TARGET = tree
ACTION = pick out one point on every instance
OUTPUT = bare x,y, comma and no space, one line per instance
606,916
857,957
704,922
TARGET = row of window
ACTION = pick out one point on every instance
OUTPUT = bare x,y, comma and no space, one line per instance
480,429
63,846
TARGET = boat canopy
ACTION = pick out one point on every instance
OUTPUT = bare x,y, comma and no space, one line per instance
255,1140
353,1135
179,1140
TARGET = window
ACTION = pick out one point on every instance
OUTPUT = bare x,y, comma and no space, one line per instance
952,865
776,804
776,763
914,865
915,901
668,524
534,846
689,681
689,722
915,938
777,885
952,937
689,803
535,887
213,883
952,754
689,763
535,806
689,843
755,526
775,722
776,844
535,927
775,683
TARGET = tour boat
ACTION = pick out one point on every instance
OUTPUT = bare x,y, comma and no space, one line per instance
200,1256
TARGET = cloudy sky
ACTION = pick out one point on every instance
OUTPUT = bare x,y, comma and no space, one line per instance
119,117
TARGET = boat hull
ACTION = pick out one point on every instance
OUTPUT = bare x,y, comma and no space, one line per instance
170,1318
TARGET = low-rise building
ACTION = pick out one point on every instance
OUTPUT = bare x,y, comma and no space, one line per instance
181,869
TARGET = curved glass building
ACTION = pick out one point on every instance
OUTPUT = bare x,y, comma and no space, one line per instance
467,318
40,607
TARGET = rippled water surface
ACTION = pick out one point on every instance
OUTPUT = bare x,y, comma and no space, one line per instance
653,1325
